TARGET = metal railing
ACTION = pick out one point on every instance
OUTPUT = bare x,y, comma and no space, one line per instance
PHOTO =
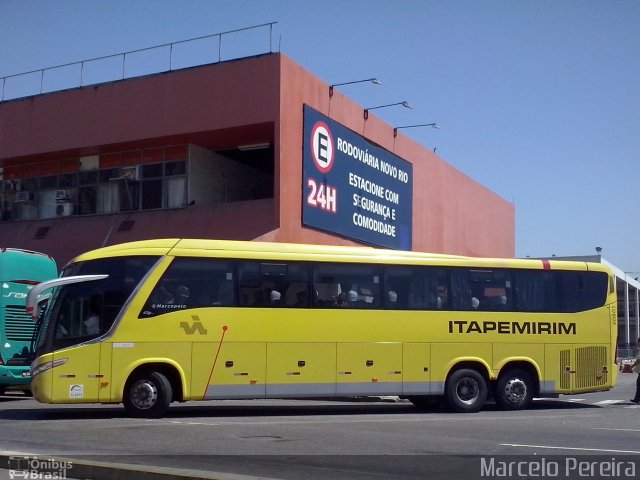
76,74
628,353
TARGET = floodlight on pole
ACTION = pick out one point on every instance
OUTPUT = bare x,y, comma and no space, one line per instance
405,104
432,125
375,81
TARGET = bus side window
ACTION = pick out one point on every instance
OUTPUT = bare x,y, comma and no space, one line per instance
224,297
347,285
419,288
535,291
461,289
191,283
273,284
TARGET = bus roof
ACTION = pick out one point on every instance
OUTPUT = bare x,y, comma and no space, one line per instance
17,264
21,251
302,252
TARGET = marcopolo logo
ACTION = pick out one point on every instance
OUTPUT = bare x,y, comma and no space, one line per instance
322,149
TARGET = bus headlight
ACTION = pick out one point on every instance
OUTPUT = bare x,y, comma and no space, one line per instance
43,367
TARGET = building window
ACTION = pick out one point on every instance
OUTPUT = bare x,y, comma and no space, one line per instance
99,185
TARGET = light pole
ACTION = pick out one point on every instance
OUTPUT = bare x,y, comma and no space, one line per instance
432,125
375,81
405,104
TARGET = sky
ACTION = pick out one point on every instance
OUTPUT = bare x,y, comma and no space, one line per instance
538,100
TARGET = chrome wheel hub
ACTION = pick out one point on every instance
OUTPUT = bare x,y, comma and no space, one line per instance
467,390
144,394
515,391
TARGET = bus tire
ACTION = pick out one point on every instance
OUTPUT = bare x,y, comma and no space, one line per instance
466,391
147,394
514,390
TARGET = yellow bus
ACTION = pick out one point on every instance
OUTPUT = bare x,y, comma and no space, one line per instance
171,320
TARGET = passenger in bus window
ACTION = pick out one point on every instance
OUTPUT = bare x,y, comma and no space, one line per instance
392,299
352,298
442,299
475,303
169,300
182,295
92,324
502,302
61,330
274,298
165,295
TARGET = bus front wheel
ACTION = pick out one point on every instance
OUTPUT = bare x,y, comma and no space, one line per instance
514,390
466,391
147,394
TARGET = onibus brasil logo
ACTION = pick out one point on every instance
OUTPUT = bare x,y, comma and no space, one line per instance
37,469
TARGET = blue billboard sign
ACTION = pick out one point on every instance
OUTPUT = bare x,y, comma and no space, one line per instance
354,188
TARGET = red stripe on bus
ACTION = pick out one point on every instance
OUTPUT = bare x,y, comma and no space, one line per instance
215,360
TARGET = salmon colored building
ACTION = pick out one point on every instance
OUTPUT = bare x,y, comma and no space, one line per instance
219,151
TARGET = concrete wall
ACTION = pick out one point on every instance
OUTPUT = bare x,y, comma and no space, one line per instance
132,112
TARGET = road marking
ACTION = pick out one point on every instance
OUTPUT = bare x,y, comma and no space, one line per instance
619,429
575,400
609,402
551,447
331,419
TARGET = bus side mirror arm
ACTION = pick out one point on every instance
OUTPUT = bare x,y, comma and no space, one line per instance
34,297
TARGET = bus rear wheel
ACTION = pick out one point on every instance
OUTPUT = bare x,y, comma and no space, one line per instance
514,390
466,391
147,394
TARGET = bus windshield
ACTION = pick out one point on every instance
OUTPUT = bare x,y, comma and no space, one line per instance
83,311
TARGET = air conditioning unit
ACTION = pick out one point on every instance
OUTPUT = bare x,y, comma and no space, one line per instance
64,209
132,173
62,195
24,196
12,185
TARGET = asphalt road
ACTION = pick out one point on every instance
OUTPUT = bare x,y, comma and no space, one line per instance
289,439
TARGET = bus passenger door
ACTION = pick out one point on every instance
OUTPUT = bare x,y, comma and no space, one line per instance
77,379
